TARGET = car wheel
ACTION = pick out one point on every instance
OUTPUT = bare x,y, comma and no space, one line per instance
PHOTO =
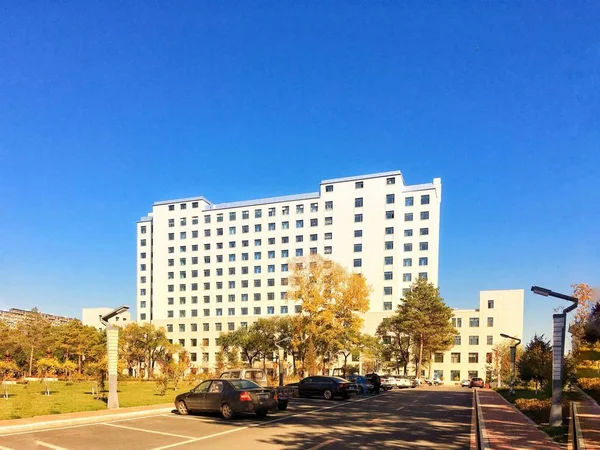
227,411
282,406
182,408
327,394
261,413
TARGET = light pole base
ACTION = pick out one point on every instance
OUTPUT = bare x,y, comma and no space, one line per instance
113,396
556,419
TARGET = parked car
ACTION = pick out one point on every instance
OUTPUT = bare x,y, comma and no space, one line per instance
229,397
403,383
465,383
434,382
387,381
476,382
259,376
364,387
327,387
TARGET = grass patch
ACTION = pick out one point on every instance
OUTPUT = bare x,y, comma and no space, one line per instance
29,401
591,355
587,372
558,434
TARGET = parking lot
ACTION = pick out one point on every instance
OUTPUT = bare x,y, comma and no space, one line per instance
436,416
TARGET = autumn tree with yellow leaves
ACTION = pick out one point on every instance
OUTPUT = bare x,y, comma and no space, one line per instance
332,299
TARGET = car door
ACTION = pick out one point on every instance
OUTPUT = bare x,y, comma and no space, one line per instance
305,386
196,397
320,384
213,398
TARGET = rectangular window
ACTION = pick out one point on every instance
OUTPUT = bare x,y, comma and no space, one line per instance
390,198
329,188
388,276
358,262
389,214
357,248
314,207
358,218
406,277
409,201
457,340
473,340
314,222
257,228
425,199
423,275
490,321
490,304
143,242
388,260
438,357
408,217
299,223
473,357
328,250
299,238
257,310
358,202
230,326
423,246
387,290
328,236
357,233
387,306
389,230
313,237
408,247
283,309
358,185
328,206
328,220
299,209
423,261
391,180
257,213
424,215
285,225
171,223
490,340
299,252
424,231
285,210
270,310
455,358
389,245
272,226
474,322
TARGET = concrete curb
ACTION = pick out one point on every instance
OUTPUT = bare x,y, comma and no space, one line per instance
79,421
482,438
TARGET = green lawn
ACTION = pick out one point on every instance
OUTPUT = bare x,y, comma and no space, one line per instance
587,372
29,400
590,355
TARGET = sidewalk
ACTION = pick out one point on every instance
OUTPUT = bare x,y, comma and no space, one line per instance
80,418
507,428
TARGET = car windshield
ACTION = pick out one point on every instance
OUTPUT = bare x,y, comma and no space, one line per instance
244,384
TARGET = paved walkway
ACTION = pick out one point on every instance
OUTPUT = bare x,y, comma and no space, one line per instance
589,421
77,418
507,428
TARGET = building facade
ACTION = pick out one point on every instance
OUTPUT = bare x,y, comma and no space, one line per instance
91,317
499,312
205,268
14,316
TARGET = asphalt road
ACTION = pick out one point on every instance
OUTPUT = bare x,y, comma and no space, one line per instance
426,417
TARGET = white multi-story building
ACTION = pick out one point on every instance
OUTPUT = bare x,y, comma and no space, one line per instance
207,268
91,317
499,312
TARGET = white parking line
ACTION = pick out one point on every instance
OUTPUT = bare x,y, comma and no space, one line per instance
53,447
148,431
5,448
398,409
260,424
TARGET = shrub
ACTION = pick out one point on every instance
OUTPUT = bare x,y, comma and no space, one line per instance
590,383
534,408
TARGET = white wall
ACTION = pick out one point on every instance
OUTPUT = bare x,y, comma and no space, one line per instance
91,317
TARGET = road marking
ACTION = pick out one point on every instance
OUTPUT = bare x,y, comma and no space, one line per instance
147,431
323,444
5,448
260,424
398,409
53,447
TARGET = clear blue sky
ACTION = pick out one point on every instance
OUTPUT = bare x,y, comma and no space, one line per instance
108,107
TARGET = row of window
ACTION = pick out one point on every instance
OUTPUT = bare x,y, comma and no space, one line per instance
455,357
473,322
230,312
473,340
272,241
455,374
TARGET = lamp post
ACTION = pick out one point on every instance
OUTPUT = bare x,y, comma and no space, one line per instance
281,358
558,350
112,351
513,360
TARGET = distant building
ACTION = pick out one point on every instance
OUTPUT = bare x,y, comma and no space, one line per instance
14,316
91,317
500,311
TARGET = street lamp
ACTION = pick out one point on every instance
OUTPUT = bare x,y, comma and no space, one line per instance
558,350
112,351
280,348
513,360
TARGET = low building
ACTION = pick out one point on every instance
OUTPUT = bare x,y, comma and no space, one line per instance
499,312
91,317
14,316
